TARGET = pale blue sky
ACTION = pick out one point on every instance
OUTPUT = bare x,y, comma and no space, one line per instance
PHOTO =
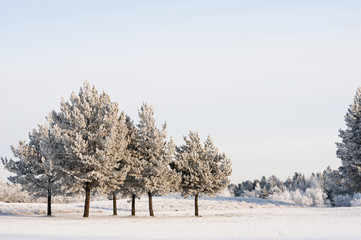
270,81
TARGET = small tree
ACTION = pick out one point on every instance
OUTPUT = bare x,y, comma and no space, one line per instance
155,155
36,169
263,182
117,152
335,184
88,126
289,183
349,150
273,184
203,169
299,182
232,188
247,186
133,185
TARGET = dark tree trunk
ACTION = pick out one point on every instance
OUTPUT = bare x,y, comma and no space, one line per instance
49,202
87,200
196,205
150,205
115,212
133,204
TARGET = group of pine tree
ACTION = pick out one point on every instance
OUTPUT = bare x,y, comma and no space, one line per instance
89,145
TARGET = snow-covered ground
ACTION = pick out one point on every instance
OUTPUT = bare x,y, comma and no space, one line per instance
221,218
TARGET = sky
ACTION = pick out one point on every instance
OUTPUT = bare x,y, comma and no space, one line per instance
270,81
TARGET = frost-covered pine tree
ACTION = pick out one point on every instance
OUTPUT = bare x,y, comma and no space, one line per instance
88,125
155,155
334,185
219,167
247,186
203,169
299,182
232,188
264,193
273,184
289,183
133,185
116,149
36,169
349,150
263,182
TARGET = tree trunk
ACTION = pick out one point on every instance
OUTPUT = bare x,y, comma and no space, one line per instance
133,204
196,205
49,202
87,200
115,212
150,205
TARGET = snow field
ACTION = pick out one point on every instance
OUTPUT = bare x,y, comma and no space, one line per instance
221,218
163,206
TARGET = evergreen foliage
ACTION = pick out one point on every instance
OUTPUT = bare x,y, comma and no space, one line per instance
349,150
299,182
263,182
118,152
289,183
92,138
273,184
203,169
36,169
133,186
155,155
88,146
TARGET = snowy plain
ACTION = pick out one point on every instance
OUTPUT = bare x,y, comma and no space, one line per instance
221,218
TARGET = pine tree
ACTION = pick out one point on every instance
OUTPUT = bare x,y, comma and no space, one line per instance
247,185
133,185
334,184
263,182
273,184
264,193
155,155
88,129
232,188
203,169
299,182
219,167
117,152
349,150
289,183
36,169
257,190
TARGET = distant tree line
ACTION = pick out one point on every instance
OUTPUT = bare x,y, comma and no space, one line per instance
335,186
90,146
319,189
